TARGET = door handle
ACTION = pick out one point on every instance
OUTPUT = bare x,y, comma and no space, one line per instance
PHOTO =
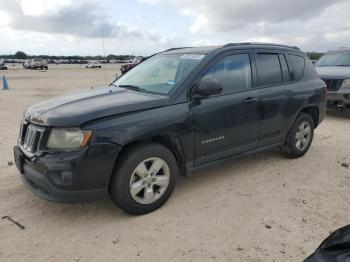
249,100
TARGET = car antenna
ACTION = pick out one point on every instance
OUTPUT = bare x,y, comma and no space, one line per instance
104,54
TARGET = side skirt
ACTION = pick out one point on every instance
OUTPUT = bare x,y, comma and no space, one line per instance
190,168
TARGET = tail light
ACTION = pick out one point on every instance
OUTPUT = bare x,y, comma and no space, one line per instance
324,90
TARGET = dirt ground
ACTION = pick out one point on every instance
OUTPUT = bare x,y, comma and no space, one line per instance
259,208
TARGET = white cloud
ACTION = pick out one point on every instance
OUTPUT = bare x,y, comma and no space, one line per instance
312,24
5,19
40,7
151,2
84,21
201,22
80,24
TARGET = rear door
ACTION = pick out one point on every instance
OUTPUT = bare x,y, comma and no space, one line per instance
278,94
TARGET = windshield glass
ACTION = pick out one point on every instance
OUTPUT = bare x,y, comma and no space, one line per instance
160,73
335,59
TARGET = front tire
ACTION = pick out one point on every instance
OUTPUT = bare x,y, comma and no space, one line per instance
300,137
144,178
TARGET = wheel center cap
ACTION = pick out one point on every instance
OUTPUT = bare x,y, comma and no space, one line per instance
148,179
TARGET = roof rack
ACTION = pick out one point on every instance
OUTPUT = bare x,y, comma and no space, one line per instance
170,49
270,44
176,48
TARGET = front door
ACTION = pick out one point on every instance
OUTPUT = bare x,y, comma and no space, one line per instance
228,123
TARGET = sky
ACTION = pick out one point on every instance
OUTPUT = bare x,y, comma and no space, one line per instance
142,27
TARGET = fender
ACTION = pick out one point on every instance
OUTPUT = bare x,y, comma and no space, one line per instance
168,125
303,108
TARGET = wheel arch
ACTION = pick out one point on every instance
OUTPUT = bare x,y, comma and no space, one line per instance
312,110
172,143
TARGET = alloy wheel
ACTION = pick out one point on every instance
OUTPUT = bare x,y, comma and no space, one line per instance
149,180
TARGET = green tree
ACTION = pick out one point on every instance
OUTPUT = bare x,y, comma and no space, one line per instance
314,55
20,55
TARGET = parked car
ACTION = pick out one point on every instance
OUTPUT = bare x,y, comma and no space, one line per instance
3,66
176,112
36,63
127,67
93,64
334,69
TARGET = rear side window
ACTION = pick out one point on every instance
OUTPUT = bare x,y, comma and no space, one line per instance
298,63
233,72
269,69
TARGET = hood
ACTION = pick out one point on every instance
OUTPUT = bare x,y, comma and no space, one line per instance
77,109
333,72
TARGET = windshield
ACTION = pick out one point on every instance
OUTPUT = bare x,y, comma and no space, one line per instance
335,59
160,73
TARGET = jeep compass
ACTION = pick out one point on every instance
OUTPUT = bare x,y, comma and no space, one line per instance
180,110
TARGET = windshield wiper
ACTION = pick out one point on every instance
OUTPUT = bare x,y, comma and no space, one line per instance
343,65
133,87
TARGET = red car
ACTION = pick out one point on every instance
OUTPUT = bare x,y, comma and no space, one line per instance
126,67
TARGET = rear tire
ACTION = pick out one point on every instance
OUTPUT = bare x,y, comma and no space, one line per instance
144,178
300,137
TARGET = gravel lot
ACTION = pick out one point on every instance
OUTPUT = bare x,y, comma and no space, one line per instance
259,208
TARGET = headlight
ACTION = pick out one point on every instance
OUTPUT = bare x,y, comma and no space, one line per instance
68,139
346,83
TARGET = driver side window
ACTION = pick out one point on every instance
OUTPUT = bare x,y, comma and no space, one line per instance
233,72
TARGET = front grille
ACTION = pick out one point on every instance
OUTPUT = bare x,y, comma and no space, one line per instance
333,84
29,137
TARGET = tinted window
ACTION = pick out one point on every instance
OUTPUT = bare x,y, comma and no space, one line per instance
298,63
269,69
233,72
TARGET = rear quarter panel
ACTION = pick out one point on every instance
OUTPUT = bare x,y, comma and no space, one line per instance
313,90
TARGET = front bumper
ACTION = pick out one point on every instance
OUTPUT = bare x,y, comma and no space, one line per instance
339,98
69,177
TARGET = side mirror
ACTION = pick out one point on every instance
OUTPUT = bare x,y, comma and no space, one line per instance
206,88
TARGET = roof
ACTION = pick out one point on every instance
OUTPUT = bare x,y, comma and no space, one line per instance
209,49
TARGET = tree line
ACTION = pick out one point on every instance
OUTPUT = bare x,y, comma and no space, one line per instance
23,55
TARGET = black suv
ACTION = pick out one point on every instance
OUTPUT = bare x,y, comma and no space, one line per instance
180,110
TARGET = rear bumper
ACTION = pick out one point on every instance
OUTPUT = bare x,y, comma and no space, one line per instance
69,177
340,98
